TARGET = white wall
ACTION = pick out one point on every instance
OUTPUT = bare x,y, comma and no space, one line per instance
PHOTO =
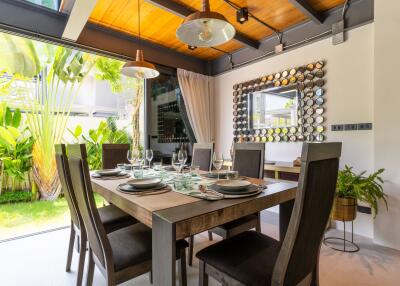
349,99
387,117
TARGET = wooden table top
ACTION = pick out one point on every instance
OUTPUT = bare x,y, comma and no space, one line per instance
176,207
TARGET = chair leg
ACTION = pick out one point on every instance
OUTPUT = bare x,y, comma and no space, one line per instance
190,251
258,227
70,248
90,270
210,236
203,277
182,268
81,263
78,243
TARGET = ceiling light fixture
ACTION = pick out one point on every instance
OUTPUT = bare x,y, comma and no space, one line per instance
205,28
242,15
139,68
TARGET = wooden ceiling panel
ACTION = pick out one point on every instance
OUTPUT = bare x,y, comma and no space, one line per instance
159,26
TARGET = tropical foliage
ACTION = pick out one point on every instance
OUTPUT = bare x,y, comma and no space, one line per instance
365,188
106,132
110,70
16,144
43,80
50,110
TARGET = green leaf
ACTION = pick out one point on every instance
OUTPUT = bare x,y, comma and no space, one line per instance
8,116
78,131
16,120
6,138
14,132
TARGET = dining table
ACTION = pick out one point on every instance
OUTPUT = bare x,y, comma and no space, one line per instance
175,215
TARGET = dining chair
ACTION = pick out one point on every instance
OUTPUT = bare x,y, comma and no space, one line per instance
248,160
113,154
120,255
202,157
252,258
111,217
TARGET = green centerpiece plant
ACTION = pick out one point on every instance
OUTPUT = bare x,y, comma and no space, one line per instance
353,187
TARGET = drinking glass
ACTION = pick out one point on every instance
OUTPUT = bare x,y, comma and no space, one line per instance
132,156
218,161
149,156
157,166
176,163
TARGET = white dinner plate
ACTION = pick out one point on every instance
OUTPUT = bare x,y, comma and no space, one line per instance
145,183
108,172
233,184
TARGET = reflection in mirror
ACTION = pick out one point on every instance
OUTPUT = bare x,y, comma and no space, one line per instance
273,107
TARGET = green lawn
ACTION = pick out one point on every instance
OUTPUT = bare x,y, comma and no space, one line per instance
24,218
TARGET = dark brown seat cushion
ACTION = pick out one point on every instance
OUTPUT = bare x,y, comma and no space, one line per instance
114,218
132,245
248,257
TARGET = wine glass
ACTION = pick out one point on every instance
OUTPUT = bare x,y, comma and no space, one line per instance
182,154
176,163
231,153
218,161
149,156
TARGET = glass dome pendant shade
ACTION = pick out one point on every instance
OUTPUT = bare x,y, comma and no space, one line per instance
205,28
139,68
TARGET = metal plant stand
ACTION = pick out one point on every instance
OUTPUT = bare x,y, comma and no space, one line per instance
353,246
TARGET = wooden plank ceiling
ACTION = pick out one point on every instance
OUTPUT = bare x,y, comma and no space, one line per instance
159,26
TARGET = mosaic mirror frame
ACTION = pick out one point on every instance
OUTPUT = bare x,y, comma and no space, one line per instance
309,80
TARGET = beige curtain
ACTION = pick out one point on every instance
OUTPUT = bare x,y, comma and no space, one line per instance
197,94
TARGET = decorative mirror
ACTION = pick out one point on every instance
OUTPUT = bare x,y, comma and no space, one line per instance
285,106
274,107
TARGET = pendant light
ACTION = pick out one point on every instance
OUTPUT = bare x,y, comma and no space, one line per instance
205,28
139,68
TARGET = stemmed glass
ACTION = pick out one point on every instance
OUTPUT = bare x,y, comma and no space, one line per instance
182,157
149,156
218,161
176,163
231,153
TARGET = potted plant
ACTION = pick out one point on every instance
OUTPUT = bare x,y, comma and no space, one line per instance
351,188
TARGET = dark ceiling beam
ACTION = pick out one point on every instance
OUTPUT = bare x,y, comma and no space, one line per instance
125,46
37,22
307,10
359,12
32,18
184,11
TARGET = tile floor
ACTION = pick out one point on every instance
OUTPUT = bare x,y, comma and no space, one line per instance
40,260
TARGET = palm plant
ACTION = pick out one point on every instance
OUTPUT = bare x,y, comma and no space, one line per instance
58,86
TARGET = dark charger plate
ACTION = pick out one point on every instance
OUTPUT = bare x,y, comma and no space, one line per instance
126,187
245,191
